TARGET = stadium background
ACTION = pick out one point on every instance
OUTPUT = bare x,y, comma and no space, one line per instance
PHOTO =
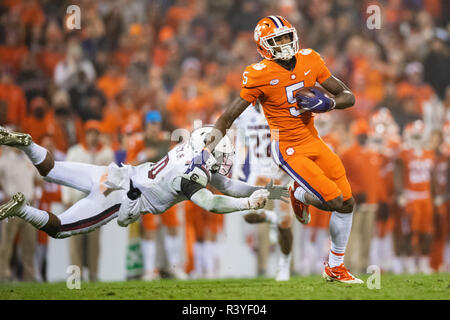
185,59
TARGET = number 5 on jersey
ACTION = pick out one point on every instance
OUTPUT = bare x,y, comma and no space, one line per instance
290,93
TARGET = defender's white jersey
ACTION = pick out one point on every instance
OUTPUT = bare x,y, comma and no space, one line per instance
160,183
253,135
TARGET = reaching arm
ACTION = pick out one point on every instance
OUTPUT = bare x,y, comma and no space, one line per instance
231,187
342,94
226,120
236,188
219,203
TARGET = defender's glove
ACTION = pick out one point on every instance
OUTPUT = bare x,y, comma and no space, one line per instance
277,192
204,158
133,193
317,104
258,199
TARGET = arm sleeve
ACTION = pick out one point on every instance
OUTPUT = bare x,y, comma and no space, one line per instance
189,187
218,203
230,187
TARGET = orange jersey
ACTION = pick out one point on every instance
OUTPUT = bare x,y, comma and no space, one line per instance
417,172
275,88
441,174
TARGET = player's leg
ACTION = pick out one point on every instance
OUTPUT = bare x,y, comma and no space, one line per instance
265,234
311,184
198,222
285,239
326,181
342,214
425,232
71,174
148,245
86,215
172,242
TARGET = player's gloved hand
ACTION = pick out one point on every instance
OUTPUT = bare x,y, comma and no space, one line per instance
258,199
317,104
133,193
277,192
401,200
202,159
439,200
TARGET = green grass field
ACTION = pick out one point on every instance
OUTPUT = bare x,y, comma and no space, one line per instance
404,287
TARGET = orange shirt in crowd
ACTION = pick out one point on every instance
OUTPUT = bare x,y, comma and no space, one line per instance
360,172
12,55
376,190
185,109
111,85
178,14
420,93
373,79
59,133
47,60
16,102
37,127
116,116
32,14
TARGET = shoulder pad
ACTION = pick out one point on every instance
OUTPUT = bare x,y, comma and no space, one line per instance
201,175
255,75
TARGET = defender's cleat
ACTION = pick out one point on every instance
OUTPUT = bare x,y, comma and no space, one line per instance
13,206
339,274
301,210
14,139
283,273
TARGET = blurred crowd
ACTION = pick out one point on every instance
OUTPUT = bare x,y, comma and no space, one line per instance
136,70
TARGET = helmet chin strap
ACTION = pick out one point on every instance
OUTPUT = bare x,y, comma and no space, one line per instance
287,52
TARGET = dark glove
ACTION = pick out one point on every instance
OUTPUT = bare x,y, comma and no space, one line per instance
133,193
317,104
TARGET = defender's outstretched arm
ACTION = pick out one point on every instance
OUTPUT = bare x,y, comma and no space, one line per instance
225,204
236,188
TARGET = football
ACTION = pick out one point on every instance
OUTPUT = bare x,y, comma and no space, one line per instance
305,91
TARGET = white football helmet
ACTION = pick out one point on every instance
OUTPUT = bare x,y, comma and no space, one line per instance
414,134
222,160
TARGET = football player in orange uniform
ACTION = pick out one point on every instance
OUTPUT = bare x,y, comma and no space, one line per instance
440,200
319,176
413,187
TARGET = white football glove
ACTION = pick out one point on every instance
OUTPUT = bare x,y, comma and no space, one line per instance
439,200
258,199
402,201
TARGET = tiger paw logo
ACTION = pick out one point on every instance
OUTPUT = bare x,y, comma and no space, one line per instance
259,66
290,151
305,52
